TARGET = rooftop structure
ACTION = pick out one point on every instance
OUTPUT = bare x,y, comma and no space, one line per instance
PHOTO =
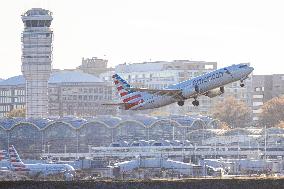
94,66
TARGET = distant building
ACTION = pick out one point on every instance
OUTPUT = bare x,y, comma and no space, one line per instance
94,66
12,94
160,74
69,93
265,87
79,94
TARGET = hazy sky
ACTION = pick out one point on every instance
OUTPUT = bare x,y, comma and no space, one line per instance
225,31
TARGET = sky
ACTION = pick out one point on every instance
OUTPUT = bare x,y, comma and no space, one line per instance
131,31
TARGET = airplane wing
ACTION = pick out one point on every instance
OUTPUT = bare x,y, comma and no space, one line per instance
176,93
152,91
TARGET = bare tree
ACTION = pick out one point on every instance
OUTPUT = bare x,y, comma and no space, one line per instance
233,112
17,113
281,125
272,112
224,125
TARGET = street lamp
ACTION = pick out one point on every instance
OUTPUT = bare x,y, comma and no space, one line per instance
89,146
205,171
48,148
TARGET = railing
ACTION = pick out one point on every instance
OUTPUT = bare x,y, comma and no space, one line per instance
157,151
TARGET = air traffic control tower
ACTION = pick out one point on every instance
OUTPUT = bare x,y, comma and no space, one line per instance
36,60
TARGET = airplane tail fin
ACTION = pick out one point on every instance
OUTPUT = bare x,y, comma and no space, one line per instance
15,160
130,98
3,155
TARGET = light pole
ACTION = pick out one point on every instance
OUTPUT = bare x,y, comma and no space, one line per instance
48,148
265,142
43,151
77,142
205,169
89,146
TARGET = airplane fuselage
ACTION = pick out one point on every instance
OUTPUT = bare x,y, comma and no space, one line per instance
48,169
17,165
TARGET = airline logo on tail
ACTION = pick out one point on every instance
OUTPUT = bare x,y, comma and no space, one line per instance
15,160
130,98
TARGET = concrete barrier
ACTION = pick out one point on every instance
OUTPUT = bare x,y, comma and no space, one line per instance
153,184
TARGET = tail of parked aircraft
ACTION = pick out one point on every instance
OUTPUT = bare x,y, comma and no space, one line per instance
3,155
15,160
130,98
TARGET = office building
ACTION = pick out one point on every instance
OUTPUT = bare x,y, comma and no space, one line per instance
265,87
69,93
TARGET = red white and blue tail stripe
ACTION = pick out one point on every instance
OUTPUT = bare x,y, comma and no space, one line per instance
15,160
3,155
130,98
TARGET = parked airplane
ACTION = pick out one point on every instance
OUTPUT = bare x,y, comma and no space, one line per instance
33,169
3,155
209,84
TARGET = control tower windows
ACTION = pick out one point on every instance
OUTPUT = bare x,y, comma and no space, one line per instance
37,23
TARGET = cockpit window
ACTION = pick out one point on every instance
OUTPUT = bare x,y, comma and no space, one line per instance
227,71
243,66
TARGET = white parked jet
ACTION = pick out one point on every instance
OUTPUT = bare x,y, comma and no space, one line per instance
210,84
33,169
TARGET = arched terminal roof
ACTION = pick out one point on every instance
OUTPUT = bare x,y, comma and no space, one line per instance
146,120
74,121
109,121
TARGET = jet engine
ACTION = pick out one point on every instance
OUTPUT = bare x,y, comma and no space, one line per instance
215,92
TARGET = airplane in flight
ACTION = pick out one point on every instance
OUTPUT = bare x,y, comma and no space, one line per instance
209,84
38,168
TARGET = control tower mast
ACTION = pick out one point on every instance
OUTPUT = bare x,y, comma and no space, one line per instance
36,60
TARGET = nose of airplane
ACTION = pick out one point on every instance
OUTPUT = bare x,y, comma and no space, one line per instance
251,69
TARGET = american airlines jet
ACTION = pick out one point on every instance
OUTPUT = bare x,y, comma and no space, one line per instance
33,169
210,84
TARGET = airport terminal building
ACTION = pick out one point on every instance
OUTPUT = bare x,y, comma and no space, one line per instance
65,135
